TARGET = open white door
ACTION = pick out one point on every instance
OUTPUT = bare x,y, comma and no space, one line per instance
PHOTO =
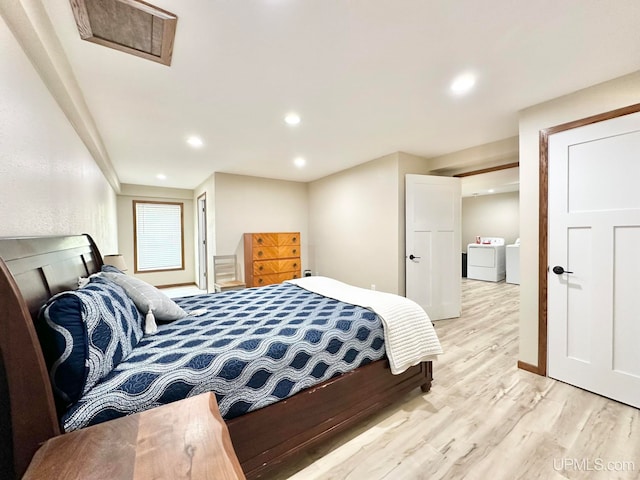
202,242
433,268
594,258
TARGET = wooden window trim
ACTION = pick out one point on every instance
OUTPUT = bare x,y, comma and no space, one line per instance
135,237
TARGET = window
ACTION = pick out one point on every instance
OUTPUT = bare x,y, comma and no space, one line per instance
158,231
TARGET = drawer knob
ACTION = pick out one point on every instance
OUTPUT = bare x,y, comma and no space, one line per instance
295,275
260,240
295,250
295,265
294,239
260,280
259,253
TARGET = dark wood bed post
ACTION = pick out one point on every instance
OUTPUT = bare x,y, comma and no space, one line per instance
33,411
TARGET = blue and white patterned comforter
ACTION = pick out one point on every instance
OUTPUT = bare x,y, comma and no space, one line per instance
251,348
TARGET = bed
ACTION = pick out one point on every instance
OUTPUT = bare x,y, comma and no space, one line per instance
264,437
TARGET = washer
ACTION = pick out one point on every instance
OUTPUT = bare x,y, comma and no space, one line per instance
513,263
486,260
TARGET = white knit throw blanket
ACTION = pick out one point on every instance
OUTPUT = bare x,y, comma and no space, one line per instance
409,335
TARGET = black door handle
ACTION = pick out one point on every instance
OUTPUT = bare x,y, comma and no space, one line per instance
558,270
411,257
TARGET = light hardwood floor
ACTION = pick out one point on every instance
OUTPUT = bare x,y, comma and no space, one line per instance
484,418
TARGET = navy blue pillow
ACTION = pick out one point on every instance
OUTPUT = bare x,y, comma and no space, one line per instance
64,345
85,334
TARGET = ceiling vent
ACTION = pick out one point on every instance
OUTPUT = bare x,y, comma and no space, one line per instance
131,26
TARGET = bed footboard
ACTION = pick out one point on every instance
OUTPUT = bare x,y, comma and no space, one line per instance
267,438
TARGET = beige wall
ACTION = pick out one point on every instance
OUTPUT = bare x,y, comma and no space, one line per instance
250,204
495,215
354,222
130,193
49,183
591,101
357,220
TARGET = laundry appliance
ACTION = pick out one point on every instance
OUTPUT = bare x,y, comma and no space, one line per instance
513,262
486,260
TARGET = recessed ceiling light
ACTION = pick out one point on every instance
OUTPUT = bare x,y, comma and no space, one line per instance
463,83
292,119
195,142
299,162
161,176
491,190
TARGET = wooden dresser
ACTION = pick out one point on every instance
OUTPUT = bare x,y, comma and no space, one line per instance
271,257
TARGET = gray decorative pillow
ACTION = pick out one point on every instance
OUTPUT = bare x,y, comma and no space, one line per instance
148,299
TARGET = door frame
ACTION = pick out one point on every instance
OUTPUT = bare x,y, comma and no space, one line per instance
543,232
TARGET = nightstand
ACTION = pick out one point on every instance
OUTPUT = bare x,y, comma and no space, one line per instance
182,440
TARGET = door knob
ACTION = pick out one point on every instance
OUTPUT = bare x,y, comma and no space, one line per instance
558,270
411,257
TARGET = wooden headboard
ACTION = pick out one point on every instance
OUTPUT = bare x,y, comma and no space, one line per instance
32,269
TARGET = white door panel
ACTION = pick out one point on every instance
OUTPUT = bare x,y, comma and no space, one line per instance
626,302
594,188
419,289
433,240
594,232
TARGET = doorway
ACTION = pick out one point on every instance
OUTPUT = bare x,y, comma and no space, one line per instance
202,242
491,210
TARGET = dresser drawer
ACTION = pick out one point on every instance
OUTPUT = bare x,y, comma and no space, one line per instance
262,280
265,240
267,267
275,239
289,238
288,276
267,253
289,251
289,265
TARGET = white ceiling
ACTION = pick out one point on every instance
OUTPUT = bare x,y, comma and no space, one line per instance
368,78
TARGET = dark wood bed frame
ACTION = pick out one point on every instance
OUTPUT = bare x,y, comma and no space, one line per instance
35,268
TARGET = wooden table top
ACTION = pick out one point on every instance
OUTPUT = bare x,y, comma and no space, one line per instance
182,440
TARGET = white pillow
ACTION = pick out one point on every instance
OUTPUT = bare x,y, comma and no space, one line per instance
148,299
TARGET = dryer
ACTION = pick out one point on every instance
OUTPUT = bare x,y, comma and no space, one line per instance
513,262
486,260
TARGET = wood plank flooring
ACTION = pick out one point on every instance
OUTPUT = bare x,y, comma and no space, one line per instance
484,418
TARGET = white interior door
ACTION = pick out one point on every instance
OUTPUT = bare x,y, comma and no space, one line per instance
202,242
433,268
594,234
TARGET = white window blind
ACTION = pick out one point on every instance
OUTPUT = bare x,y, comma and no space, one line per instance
158,236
